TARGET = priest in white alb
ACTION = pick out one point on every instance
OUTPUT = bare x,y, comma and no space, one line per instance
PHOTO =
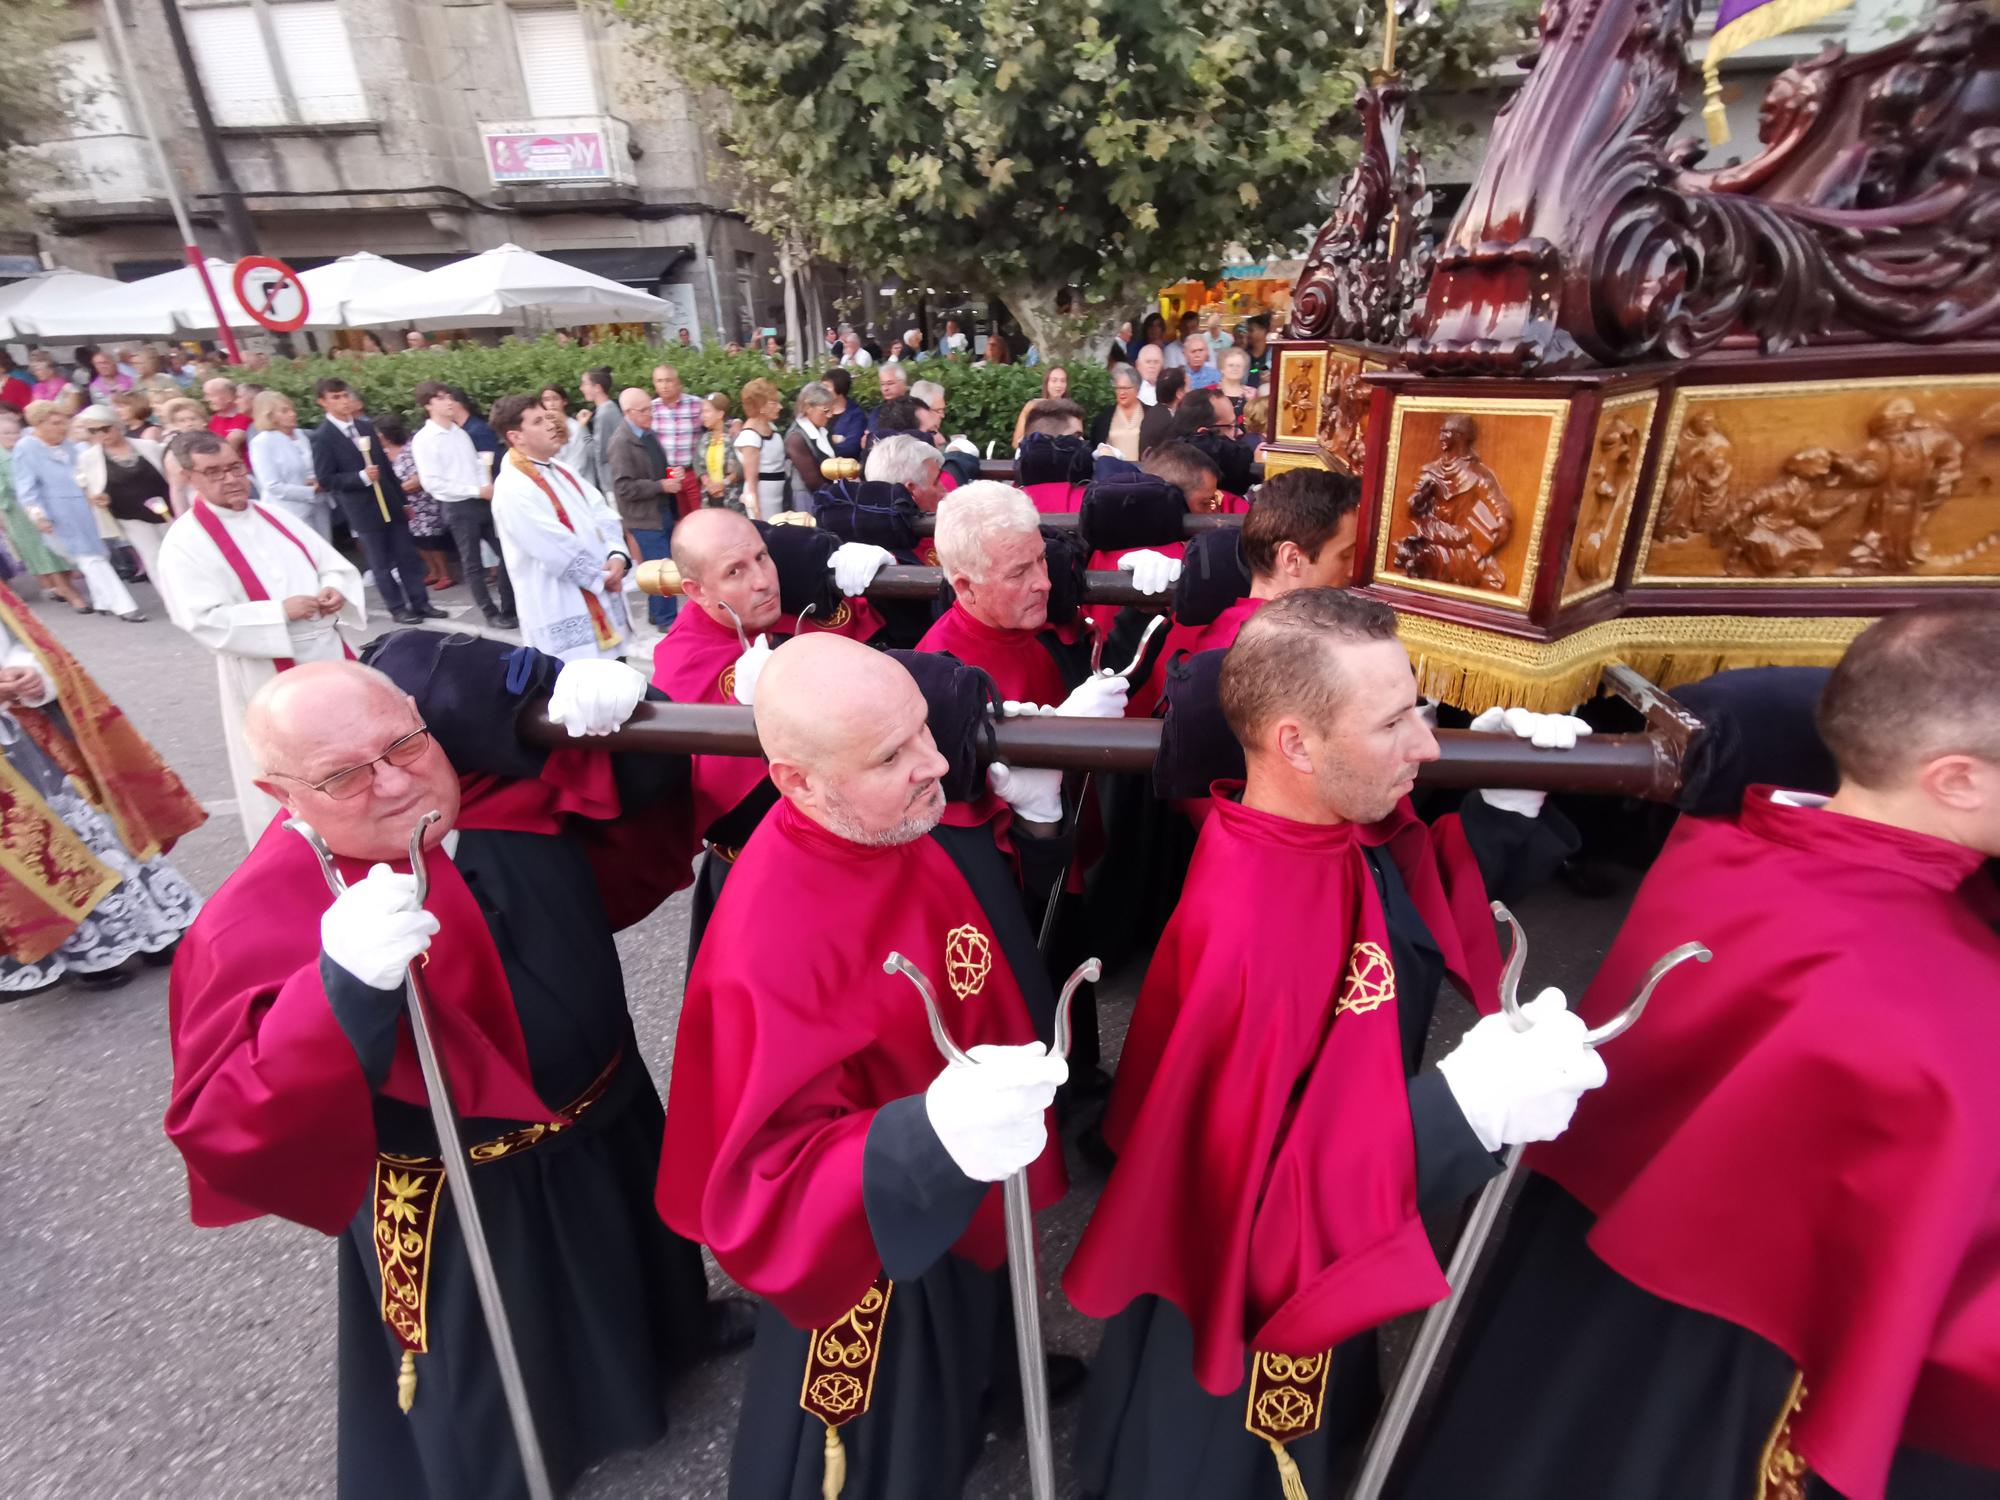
257,588
564,544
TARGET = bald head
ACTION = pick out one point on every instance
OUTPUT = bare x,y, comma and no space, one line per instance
636,404
288,719
726,570
699,538
308,726
847,732
821,694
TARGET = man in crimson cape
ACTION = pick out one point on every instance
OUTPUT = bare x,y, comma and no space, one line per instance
749,581
1766,1262
816,1142
1003,620
297,1091
1276,1140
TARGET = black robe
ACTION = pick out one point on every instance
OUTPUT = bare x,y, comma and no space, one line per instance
1570,1380
604,1300
948,1342
1149,1429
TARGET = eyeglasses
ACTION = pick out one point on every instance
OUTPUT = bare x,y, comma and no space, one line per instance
219,471
353,781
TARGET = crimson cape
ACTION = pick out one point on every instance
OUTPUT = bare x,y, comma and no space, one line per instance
1801,1138
1184,640
1266,1182
1017,661
791,1037
269,1107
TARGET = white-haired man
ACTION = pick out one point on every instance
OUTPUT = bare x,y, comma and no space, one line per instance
911,463
990,546
913,344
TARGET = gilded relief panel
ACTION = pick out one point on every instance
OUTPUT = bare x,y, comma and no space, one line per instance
1343,416
1610,486
1301,380
1467,496
1885,481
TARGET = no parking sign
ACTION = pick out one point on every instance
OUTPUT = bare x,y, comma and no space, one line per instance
271,292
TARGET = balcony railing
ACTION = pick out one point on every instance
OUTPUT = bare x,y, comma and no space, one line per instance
581,148
92,169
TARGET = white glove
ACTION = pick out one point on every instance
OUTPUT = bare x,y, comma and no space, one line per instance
855,565
1107,450
1034,795
748,666
375,929
1018,708
962,444
1520,1086
595,697
991,1116
1152,572
1099,696
1545,732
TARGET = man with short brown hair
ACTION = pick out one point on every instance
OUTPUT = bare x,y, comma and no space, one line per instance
1790,1202
1276,1136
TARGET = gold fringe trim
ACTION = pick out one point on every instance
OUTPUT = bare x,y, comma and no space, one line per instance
1773,18
833,1476
1474,669
1289,1478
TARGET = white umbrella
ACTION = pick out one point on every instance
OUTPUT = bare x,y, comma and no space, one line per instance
499,288
331,287
140,308
52,291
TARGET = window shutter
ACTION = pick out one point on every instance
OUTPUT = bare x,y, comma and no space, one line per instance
96,103
554,49
319,62
235,69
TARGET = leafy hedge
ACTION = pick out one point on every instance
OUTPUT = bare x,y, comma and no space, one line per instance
982,404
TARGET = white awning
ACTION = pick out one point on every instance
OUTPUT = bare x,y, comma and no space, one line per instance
24,302
144,309
331,287
501,289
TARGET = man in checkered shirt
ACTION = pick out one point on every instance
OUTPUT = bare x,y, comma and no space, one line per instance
676,419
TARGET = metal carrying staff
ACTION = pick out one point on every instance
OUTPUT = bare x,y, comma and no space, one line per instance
1386,1441
1024,1282
457,1176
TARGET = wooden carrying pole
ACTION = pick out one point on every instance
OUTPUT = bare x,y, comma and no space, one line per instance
1628,765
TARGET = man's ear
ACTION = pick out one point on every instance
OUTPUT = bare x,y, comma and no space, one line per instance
276,792
1288,740
1956,782
792,782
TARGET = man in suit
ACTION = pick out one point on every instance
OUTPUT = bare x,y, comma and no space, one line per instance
647,499
373,508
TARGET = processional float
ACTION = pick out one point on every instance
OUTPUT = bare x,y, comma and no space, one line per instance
1627,411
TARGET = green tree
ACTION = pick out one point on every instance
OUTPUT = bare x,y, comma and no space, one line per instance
1028,147
35,93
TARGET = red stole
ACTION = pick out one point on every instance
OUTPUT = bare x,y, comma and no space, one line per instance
786,1050
600,621
1266,1182
253,586
1017,661
1800,1137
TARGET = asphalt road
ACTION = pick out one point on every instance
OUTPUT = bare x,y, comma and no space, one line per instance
143,1357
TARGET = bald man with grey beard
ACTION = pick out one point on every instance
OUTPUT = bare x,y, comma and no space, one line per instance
813,1137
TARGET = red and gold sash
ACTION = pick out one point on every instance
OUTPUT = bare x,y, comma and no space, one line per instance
600,622
49,880
253,586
